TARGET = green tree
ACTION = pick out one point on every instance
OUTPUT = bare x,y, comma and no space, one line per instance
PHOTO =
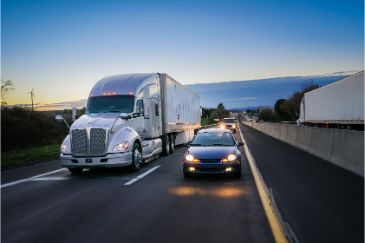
267,114
220,112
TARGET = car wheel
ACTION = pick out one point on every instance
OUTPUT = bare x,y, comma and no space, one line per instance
172,144
238,174
136,157
75,170
165,145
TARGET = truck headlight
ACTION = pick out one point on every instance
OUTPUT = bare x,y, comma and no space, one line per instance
191,158
122,147
63,148
230,158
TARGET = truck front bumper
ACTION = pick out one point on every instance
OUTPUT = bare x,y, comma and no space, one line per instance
109,160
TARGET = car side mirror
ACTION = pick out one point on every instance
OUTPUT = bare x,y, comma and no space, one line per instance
240,144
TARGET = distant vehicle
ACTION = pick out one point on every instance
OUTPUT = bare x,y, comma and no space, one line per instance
130,119
340,104
213,150
229,123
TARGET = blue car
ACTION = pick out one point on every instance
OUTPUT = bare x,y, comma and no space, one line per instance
213,150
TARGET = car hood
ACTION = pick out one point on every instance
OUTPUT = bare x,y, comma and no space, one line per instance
211,152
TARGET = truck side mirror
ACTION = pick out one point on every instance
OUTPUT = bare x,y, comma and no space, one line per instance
125,116
60,119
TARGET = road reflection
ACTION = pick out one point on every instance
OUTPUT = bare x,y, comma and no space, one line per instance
223,192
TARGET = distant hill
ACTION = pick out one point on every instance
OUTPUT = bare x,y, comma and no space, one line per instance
236,94
256,93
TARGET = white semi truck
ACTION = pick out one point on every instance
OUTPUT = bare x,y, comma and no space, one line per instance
340,104
130,119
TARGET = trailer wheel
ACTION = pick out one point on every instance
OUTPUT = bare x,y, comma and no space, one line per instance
136,157
165,145
172,144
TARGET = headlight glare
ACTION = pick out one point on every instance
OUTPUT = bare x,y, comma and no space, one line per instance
63,148
122,147
190,158
232,157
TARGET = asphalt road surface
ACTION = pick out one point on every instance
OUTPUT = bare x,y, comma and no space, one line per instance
320,201
155,204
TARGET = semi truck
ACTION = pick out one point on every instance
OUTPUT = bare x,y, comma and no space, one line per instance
340,104
130,119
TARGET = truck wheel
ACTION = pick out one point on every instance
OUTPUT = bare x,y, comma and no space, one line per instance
172,144
136,157
75,170
165,145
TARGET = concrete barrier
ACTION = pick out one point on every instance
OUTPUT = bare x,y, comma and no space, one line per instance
342,147
292,134
347,150
303,140
322,142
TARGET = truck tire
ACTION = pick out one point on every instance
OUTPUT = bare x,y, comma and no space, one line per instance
172,144
165,145
136,157
75,170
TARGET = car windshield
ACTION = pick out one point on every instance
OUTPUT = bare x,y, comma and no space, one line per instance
228,120
110,103
213,139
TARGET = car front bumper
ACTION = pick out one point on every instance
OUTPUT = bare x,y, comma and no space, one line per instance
109,160
211,168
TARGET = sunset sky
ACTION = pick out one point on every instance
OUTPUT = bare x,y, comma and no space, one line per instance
61,48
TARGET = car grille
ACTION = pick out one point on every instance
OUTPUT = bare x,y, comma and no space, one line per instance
81,144
210,160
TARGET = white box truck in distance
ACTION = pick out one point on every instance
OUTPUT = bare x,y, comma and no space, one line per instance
340,104
130,119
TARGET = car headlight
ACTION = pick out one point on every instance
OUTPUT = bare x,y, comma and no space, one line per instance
222,126
233,126
230,158
63,148
191,158
122,147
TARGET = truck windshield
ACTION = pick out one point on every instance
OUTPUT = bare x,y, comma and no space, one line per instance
111,103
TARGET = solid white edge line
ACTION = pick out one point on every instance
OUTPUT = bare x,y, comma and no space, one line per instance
142,175
31,178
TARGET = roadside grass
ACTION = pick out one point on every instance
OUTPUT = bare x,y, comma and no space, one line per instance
29,156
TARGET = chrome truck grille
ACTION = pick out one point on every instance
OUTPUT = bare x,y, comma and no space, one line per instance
84,146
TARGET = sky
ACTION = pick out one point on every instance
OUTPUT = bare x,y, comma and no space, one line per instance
62,47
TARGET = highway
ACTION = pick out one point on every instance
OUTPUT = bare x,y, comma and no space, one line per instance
44,203
320,201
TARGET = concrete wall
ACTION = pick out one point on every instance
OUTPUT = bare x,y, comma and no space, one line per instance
342,147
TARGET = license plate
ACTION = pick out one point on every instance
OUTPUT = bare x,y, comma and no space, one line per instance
88,160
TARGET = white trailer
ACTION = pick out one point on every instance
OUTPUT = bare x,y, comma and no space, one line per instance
337,104
130,119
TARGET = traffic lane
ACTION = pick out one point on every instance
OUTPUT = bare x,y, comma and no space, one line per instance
203,208
37,211
29,171
160,207
320,201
